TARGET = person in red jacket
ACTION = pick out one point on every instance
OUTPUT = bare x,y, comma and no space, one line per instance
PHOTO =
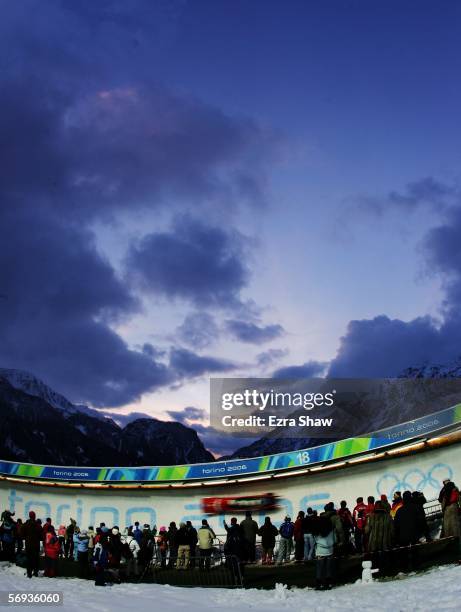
52,550
46,528
359,516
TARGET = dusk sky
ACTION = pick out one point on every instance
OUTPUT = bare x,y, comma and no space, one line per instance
226,188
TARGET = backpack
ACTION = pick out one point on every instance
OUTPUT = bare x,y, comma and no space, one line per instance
286,530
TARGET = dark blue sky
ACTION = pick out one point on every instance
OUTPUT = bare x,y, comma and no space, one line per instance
238,188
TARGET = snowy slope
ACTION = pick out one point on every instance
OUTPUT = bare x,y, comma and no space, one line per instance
30,384
437,589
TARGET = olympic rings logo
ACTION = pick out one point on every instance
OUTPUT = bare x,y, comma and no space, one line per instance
414,480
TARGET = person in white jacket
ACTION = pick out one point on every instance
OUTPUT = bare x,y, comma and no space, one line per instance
205,537
131,562
325,539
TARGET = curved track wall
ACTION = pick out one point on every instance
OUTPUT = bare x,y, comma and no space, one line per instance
423,471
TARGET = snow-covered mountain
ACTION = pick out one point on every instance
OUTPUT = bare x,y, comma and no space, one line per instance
30,384
39,425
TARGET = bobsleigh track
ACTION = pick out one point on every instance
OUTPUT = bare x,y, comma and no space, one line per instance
417,455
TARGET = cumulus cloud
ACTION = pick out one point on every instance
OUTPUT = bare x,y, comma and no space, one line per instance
188,415
385,347
198,330
86,134
194,261
267,358
310,369
245,331
187,364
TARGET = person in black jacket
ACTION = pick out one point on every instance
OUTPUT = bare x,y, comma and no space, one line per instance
308,531
172,544
234,548
408,523
268,533
183,542
32,534
193,542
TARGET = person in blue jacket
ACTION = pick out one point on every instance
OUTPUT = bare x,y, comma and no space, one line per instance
82,553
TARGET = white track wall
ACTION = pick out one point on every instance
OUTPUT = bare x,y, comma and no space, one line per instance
422,471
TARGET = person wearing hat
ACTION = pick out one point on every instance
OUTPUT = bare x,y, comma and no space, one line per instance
162,545
32,534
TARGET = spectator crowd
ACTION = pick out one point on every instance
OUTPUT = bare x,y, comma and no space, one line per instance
102,552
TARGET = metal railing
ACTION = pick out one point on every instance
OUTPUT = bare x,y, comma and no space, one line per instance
214,570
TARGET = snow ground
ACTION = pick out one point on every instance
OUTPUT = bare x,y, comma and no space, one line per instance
436,589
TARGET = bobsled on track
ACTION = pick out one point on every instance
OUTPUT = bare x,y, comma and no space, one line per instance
255,503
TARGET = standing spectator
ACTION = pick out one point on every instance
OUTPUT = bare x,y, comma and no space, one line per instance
408,524
419,500
69,544
62,539
137,533
45,528
115,548
193,542
31,533
385,503
172,543
330,512
183,539
19,543
8,535
325,540
298,536
379,529
451,516
162,546
250,530
75,543
235,543
347,523
268,533
130,550
359,516
397,502
205,543
308,527
286,540
91,537
82,553
52,550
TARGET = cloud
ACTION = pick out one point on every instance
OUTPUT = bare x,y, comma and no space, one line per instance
381,346
187,364
63,298
87,135
194,262
270,356
188,415
309,369
428,192
250,332
198,330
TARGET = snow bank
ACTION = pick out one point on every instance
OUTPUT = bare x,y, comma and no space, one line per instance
437,589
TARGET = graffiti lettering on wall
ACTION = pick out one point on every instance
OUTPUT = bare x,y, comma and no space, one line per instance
429,481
